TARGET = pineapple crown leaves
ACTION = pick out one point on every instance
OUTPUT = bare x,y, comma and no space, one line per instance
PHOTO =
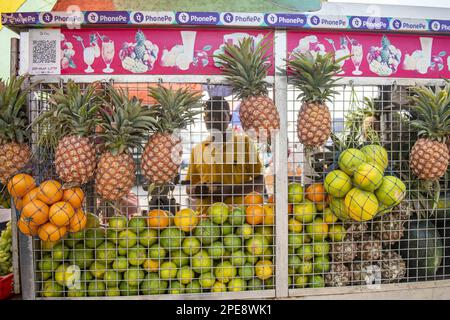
13,117
431,110
72,111
315,76
245,67
125,123
174,109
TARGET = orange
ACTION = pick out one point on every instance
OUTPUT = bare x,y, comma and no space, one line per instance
27,227
269,214
271,199
36,211
74,196
18,203
315,192
20,185
77,222
253,198
30,196
50,192
186,219
254,214
290,208
158,219
50,232
60,213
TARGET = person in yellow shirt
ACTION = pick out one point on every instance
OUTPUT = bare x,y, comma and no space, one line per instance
226,166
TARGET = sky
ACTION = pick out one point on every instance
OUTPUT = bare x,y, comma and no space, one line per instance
425,3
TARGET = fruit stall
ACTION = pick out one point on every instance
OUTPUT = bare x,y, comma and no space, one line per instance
207,155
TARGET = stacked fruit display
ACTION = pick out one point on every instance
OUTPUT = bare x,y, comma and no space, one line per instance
6,251
230,250
47,210
359,189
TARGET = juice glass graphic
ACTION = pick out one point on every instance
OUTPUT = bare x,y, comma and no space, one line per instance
89,57
188,38
108,55
357,56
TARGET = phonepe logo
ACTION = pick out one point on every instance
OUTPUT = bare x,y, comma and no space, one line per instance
92,17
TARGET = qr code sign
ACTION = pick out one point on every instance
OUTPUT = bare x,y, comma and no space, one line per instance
44,51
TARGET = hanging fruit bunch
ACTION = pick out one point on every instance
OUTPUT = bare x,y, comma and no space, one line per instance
14,150
67,128
245,67
174,111
124,127
47,210
430,155
315,77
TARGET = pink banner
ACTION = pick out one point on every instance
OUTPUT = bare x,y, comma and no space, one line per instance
379,55
148,51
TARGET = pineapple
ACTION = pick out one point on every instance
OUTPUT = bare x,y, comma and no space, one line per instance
430,155
393,267
369,249
124,127
344,251
67,128
245,66
315,77
174,111
365,272
14,150
139,50
338,276
389,228
355,230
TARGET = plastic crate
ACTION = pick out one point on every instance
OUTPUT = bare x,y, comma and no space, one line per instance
6,286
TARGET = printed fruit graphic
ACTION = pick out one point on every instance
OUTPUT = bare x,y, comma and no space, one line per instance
158,219
391,191
368,177
315,192
36,212
350,159
317,230
338,207
60,213
50,192
20,184
264,269
254,214
337,183
376,155
186,219
361,205
218,212
295,193
50,232
304,212
74,196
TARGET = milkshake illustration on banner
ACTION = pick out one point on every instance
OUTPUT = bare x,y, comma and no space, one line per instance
108,52
180,56
235,38
139,56
310,44
90,52
357,56
420,60
343,51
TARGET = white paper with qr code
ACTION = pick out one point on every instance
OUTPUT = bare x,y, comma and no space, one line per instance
45,51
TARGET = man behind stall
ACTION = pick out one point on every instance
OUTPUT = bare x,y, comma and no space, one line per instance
226,166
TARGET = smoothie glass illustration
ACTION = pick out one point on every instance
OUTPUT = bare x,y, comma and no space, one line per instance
357,56
108,55
186,58
89,57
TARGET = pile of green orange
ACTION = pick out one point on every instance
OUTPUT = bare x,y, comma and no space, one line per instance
161,254
312,226
360,190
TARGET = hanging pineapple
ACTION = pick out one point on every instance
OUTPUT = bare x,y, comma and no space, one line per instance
123,128
245,67
315,77
67,129
430,155
175,110
14,151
